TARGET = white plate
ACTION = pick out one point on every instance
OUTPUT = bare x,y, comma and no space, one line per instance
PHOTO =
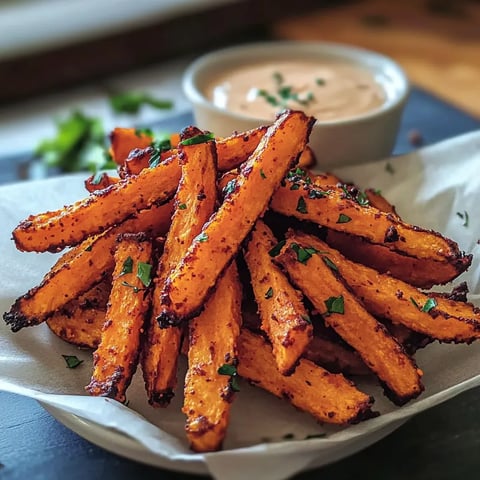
429,188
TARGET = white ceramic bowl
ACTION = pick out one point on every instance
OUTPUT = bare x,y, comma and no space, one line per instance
366,137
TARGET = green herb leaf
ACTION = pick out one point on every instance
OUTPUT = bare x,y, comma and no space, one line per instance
182,206
129,285
230,187
269,293
262,174
131,102
301,205
273,252
89,248
231,370
144,272
320,81
127,266
139,132
330,264
389,168
417,306
429,304
362,199
342,218
72,361
335,305
78,145
295,186
464,217
306,318
202,138
203,237
303,254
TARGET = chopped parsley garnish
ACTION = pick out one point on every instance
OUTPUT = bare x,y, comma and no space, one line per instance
429,304
306,318
330,264
202,138
131,102
139,132
284,93
159,145
362,199
301,205
262,174
89,248
133,287
295,186
464,217
144,271
97,178
182,206
203,237
269,293
72,361
389,168
342,218
335,305
127,266
320,81
230,370
78,145
229,188
313,193
303,254
273,252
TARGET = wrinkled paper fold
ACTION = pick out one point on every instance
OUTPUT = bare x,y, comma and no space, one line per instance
433,187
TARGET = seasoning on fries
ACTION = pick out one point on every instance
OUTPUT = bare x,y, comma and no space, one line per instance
340,299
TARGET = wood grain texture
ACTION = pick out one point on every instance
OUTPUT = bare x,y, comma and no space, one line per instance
436,42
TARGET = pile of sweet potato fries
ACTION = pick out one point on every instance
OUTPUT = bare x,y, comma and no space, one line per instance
170,257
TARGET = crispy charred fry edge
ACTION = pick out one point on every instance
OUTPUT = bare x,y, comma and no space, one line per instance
284,317
209,390
399,302
408,319
335,207
80,268
188,286
329,397
115,360
195,201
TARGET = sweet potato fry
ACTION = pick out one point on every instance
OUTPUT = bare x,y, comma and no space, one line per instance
419,272
99,182
188,286
284,318
116,358
81,268
212,355
124,140
336,208
388,297
329,397
80,321
195,201
341,310
307,158
52,231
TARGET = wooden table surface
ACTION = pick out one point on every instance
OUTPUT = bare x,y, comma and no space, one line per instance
437,42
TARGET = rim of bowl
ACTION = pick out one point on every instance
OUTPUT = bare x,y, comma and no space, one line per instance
253,52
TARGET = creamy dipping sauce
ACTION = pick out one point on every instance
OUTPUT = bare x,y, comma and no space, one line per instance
330,90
